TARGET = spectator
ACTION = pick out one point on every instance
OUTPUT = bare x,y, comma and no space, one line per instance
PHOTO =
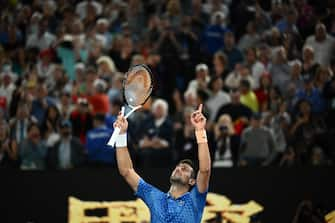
99,100
279,124
32,150
234,78
250,39
295,81
68,52
102,25
235,109
322,43
218,97
248,97
115,92
19,123
65,105
288,23
234,55
226,143
106,67
214,33
115,108
216,6
257,144
280,70
306,131
322,76
312,94
44,65
309,65
275,99
42,38
201,80
41,103
7,85
67,152
50,123
81,119
256,67
91,77
8,147
82,8
264,55
220,63
263,92
155,143
99,153
122,57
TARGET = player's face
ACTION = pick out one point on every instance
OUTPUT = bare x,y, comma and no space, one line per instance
181,174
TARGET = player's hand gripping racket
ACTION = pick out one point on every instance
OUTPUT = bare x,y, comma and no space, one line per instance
137,87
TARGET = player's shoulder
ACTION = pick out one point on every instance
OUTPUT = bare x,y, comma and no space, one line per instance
144,187
195,191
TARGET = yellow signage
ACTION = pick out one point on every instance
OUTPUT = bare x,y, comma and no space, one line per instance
137,212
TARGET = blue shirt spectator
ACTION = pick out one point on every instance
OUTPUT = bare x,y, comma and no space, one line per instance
212,39
311,94
40,103
96,143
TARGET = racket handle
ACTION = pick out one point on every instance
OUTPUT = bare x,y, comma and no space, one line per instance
116,132
112,139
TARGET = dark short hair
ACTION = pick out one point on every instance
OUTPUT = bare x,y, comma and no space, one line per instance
191,164
116,102
99,117
245,83
32,125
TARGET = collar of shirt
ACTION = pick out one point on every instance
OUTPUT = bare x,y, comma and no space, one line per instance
168,195
159,122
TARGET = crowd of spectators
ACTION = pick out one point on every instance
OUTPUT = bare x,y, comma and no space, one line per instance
264,71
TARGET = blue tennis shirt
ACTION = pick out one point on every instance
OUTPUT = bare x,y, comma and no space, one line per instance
163,208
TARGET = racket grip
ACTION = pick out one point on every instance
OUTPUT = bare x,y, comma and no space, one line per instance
112,139
116,132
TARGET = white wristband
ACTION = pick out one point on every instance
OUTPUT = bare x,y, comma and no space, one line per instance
121,140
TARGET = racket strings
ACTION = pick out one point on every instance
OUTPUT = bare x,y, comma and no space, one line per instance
138,86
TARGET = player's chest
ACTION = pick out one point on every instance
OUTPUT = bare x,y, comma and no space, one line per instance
171,210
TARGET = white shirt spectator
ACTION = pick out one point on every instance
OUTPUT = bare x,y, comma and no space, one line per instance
42,42
215,102
6,90
233,80
81,8
257,70
322,50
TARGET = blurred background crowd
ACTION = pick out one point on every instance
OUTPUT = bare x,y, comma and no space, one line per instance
264,71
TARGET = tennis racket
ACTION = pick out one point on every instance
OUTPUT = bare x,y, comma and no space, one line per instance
137,88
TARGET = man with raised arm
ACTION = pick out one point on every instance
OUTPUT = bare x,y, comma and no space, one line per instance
186,199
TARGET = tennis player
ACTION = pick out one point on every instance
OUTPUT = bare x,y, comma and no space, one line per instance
186,199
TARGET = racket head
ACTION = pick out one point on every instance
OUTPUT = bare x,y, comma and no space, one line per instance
137,85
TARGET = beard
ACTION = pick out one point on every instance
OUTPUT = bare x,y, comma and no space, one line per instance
177,180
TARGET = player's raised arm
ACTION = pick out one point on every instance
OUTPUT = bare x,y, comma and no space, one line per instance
199,122
124,162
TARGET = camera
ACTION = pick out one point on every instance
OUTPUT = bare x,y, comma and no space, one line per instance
152,133
223,128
